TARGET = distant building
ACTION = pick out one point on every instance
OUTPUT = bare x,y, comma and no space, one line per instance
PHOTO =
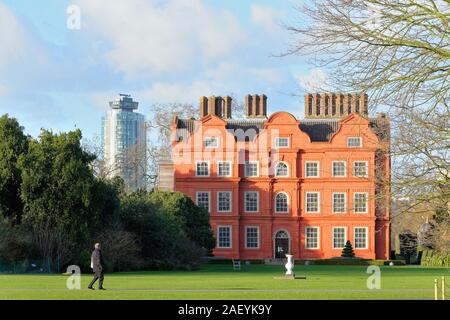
124,142
275,184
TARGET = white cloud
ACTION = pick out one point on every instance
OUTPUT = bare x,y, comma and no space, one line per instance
266,17
222,79
314,80
148,37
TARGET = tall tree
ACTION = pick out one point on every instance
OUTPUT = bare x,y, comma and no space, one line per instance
57,191
399,53
13,144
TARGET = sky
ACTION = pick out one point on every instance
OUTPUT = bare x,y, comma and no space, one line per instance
60,75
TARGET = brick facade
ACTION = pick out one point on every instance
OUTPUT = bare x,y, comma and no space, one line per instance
277,184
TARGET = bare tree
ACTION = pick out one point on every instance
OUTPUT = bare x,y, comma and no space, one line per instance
399,53
99,165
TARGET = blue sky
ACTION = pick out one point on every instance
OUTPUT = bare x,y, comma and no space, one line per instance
158,51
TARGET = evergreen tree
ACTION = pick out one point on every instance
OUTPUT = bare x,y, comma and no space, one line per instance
348,252
13,144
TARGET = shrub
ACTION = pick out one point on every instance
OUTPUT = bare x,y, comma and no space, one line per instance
120,249
16,243
344,262
348,252
167,231
432,258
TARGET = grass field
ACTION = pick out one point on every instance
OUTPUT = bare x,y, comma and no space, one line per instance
221,282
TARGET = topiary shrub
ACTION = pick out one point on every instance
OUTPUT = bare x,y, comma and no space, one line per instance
348,252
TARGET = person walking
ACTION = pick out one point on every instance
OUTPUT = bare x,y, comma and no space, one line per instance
97,264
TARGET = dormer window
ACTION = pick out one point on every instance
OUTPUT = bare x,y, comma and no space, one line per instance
281,142
211,142
354,142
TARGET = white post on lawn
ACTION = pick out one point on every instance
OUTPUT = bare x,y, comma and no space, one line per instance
289,266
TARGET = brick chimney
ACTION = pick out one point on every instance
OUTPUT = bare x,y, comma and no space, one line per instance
256,106
335,105
216,106
227,107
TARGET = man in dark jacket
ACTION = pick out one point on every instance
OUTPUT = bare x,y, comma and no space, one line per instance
97,266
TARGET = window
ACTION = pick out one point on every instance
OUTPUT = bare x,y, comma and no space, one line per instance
312,201
224,237
360,169
252,237
354,142
282,170
281,202
360,202
339,202
251,201
224,201
312,169
251,169
224,169
339,237
281,142
202,169
203,199
211,142
360,234
312,238
339,169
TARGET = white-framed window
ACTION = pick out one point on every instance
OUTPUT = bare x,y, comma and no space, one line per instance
360,202
339,237
224,201
211,142
252,169
282,170
354,142
360,168
339,168
312,202
224,168
202,199
224,237
202,169
360,235
312,169
281,142
252,237
281,202
251,201
312,238
339,202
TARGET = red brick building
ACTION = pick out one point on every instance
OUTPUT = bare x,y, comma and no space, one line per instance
276,185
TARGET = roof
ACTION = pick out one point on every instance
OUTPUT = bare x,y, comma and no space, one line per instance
319,130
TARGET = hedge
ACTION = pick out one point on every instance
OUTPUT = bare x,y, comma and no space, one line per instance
336,261
431,258
350,261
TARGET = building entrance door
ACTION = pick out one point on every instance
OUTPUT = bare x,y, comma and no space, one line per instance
282,242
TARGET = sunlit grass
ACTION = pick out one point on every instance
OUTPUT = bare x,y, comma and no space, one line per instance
221,282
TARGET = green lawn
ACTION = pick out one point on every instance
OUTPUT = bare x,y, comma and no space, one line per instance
221,282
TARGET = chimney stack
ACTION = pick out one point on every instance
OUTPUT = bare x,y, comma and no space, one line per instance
227,107
203,106
335,105
256,106
216,106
